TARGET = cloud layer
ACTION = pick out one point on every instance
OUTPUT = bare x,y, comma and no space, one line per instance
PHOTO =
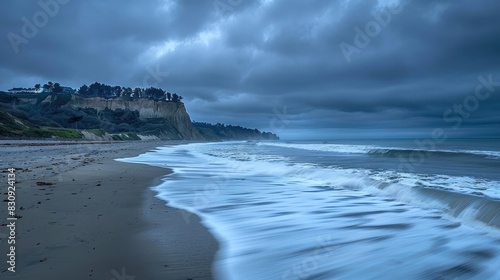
274,64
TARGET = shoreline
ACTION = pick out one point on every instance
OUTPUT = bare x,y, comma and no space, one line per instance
91,216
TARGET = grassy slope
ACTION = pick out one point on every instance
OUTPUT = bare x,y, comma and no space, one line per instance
13,127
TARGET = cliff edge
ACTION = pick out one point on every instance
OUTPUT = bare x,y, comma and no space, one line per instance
176,120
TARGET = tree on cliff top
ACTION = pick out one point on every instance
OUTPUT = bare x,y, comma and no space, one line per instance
102,90
48,86
57,88
175,97
154,93
84,90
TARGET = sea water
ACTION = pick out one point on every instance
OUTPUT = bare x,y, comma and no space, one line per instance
357,209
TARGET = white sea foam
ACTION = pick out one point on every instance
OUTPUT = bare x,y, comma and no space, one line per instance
339,148
280,219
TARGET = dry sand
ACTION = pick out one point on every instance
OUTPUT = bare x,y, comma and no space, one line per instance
96,218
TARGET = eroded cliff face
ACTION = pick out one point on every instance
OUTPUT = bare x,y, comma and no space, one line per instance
173,113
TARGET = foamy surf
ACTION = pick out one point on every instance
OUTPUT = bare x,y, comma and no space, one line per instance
291,215
378,150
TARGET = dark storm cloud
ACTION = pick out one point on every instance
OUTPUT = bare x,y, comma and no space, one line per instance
275,65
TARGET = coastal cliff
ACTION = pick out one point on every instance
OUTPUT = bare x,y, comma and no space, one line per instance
94,118
147,108
173,114
118,118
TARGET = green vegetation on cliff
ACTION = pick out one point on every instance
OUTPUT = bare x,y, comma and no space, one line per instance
12,126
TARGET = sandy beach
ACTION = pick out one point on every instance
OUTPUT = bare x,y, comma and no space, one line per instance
87,216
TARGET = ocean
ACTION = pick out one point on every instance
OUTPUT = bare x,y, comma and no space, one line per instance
342,209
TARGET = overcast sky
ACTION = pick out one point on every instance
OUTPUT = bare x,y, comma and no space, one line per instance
302,69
